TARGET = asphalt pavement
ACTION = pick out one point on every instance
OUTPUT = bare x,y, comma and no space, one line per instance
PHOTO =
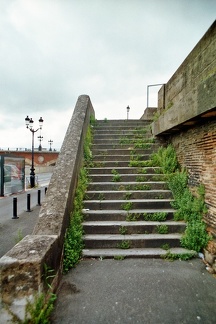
142,291
12,230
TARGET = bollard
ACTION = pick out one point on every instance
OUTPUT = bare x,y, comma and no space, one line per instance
28,203
45,190
39,198
15,208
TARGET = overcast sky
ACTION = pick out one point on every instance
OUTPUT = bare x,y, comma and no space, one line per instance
52,51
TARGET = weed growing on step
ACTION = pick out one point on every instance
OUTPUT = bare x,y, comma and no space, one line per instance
138,186
101,196
121,188
162,229
127,206
165,246
137,163
123,230
119,257
155,217
140,145
132,217
116,176
140,178
141,171
125,140
124,245
139,131
160,196
127,195
178,256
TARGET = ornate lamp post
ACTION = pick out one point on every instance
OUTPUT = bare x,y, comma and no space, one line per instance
29,124
50,143
128,109
40,140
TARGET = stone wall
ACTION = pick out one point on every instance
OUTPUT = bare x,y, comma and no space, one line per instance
22,268
196,151
191,91
188,118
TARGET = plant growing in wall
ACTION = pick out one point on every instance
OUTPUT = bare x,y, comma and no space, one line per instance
73,243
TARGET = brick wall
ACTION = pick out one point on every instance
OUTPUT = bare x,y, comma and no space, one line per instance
196,150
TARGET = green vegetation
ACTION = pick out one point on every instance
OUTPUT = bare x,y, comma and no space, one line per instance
188,207
127,205
166,159
127,195
132,217
154,217
116,176
19,236
162,229
73,244
119,257
178,256
124,245
123,230
39,311
165,246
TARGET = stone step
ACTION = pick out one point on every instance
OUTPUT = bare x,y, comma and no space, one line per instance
148,185
122,215
123,170
120,199
123,122
134,127
112,164
119,157
100,135
126,177
122,147
121,141
122,151
131,253
129,204
134,227
125,194
105,241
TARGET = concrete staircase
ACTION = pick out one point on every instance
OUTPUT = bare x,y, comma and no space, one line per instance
120,199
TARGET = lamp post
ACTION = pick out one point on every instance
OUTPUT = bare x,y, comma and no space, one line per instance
29,124
128,109
40,140
50,143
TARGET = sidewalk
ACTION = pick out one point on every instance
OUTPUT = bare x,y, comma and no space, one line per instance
13,230
142,291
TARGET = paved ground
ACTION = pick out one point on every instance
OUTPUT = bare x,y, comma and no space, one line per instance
12,230
146,291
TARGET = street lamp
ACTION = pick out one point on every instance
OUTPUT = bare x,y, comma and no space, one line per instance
50,143
29,124
128,109
40,140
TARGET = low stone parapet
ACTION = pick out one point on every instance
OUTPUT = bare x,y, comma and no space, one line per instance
23,269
